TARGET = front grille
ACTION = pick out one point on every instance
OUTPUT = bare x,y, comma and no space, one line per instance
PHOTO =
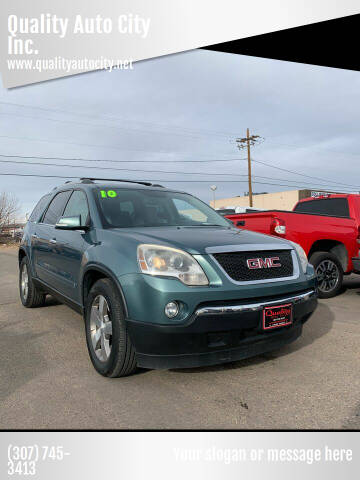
235,265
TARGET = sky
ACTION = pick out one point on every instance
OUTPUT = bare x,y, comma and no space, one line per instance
182,113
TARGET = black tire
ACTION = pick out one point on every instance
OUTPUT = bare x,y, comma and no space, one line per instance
327,287
122,358
34,297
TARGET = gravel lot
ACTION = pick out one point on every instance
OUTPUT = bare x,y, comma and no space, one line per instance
48,382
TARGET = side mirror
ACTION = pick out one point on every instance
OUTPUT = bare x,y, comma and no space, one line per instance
71,223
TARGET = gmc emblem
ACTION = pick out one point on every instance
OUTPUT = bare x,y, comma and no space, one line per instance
256,263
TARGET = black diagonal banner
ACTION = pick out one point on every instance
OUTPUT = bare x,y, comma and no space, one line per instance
331,43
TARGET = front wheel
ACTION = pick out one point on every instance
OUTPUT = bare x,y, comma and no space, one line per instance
109,344
329,273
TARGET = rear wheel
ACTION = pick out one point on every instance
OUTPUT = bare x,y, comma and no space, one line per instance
109,344
30,296
329,273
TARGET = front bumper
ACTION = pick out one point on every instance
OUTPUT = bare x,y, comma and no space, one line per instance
217,333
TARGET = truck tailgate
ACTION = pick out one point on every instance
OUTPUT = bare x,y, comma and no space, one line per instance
258,222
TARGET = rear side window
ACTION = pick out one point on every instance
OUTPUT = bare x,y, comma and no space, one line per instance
77,206
39,208
56,208
337,207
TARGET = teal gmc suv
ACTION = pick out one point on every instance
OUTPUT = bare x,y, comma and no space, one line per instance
162,280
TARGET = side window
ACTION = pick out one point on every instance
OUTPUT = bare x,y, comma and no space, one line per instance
56,208
328,206
39,208
339,207
307,207
77,206
186,209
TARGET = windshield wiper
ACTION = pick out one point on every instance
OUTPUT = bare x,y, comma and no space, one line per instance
211,225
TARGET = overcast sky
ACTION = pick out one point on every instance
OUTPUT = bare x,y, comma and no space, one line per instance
190,107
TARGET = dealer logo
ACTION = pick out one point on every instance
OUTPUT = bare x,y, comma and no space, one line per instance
256,263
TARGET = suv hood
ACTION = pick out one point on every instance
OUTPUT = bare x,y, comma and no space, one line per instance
195,240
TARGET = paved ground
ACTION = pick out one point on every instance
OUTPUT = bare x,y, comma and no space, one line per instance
47,380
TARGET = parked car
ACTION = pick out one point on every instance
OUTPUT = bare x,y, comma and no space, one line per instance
247,209
162,280
327,228
225,211
232,210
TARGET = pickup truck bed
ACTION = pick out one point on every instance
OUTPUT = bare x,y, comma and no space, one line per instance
330,240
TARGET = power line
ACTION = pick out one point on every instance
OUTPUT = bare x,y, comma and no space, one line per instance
79,159
114,168
153,161
163,180
62,142
319,147
67,112
140,170
143,171
178,128
179,161
303,174
102,125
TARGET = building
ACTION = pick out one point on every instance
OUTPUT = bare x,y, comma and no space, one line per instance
269,201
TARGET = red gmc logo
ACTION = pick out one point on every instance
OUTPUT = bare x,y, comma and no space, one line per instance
256,263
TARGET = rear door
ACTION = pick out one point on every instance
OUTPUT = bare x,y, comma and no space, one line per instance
43,240
31,226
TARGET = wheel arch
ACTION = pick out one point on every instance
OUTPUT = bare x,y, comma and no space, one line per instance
94,272
333,246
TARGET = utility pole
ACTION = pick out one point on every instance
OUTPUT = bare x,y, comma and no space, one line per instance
249,166
247,142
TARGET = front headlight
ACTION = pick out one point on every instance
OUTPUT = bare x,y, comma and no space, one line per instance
170,262
302,255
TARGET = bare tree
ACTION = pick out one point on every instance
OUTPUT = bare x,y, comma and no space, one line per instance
9,208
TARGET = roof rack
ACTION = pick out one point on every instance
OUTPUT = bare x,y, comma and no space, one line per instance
91,180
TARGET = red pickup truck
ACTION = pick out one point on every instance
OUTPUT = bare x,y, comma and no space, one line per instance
327,228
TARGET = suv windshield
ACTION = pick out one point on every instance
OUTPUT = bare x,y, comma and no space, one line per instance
152,208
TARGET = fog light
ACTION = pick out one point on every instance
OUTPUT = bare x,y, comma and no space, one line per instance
171,309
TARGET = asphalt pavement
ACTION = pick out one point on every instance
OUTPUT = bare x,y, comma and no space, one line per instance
47,380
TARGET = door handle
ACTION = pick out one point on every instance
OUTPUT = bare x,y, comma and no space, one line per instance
240,223
53,240
34,235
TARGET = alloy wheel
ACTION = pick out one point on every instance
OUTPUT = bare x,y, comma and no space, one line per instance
24,282
328,275
101,328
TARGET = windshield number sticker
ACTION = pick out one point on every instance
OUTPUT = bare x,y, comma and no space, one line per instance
108,194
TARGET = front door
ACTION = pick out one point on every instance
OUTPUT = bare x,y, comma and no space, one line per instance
43,240
69,246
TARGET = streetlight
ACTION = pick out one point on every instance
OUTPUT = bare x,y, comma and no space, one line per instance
213,188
